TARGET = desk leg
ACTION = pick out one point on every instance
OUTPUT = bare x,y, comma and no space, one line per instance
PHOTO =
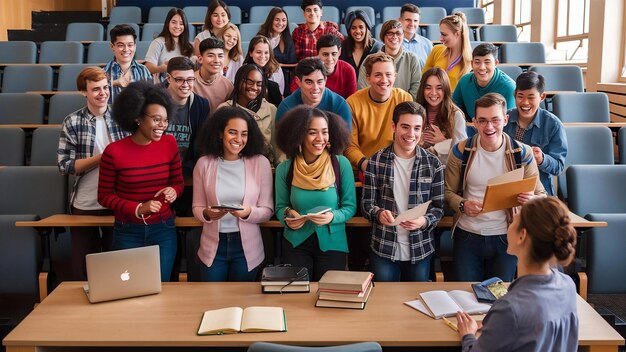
20,349
278,240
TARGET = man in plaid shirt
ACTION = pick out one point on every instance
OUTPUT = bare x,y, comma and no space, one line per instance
84,135
305,36
398,178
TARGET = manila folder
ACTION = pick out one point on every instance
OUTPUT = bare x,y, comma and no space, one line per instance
504,195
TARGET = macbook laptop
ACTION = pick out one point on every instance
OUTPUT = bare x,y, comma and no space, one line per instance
123,274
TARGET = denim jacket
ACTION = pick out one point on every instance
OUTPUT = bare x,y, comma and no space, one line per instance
546,132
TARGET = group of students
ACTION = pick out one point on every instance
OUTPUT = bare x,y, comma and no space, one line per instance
408,145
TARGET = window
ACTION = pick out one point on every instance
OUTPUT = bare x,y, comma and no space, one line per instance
488,6
572,30
521,19
622,77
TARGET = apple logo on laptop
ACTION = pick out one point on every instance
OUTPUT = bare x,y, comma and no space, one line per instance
125,276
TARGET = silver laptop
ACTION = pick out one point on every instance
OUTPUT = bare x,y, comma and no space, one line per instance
123,274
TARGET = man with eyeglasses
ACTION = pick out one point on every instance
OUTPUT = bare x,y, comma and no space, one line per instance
305,36
484,78
191,109
480,242
408,67
123,69
210,81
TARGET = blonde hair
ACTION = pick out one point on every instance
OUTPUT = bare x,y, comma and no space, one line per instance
457,22
235,52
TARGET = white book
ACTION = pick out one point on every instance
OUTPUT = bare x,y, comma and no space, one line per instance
446,304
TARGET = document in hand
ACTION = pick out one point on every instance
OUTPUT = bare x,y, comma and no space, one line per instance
227,207
315,211
232,320
501,192
447,304
412,214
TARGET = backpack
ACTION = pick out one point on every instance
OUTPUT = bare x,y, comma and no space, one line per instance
469,144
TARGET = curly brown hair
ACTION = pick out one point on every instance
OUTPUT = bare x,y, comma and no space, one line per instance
293,127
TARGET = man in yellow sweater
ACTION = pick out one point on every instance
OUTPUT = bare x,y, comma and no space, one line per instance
372,110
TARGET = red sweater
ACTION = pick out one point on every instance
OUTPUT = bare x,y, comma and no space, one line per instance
131,174
342,81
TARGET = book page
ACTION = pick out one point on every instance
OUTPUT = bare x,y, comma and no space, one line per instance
259,319
221,321
412,214
419,306
468,302
440,303
511,176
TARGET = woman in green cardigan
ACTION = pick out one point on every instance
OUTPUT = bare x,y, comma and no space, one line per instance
313,178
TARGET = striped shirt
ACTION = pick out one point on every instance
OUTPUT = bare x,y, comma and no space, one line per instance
131,174
426,184
138,72
78,135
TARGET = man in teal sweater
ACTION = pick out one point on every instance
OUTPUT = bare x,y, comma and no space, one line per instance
484,78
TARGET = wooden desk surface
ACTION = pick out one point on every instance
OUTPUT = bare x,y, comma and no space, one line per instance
62,220
171,318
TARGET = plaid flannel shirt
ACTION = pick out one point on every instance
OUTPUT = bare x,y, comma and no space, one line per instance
306,40
138,72
78,135
426,184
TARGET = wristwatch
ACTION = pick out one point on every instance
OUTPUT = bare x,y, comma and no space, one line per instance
462,206
287,212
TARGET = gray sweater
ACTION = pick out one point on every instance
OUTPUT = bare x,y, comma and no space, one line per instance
537,314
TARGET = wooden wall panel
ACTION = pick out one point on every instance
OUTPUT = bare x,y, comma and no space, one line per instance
16,14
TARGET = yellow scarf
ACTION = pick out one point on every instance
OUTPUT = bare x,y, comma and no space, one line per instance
318,175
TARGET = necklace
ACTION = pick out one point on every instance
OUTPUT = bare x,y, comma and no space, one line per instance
209,83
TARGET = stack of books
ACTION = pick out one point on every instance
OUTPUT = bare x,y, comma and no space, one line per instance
285,279
344,289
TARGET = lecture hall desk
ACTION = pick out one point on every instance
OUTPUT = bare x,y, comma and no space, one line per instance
171,318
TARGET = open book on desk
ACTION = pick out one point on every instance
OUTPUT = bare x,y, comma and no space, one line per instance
446,304
232,320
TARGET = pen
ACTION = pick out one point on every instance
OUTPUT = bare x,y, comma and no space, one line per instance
450,324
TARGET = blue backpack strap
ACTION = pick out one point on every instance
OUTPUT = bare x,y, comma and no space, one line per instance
469,144
518,148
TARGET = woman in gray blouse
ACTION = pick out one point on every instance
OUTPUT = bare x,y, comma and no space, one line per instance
539,311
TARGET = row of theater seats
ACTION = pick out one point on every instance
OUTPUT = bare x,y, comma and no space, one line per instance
258,14
88,46
516,57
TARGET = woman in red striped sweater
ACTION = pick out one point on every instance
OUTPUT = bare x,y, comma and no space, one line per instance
141,175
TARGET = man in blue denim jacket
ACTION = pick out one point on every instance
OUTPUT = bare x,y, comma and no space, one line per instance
539,128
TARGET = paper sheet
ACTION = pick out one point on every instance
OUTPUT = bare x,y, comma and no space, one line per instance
412,214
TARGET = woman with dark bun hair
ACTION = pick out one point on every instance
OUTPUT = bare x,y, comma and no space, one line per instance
141,175
539,311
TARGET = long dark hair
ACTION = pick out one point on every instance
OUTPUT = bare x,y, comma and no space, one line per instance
293,127
240,78
447,108
272,65
207,18
266,27
349,43
186,49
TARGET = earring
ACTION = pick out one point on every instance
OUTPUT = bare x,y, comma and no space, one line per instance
328,145
300,149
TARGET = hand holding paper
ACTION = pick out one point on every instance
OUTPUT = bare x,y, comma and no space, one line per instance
412,214
502,191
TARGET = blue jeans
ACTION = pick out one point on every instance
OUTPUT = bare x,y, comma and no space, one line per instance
230,261
388,270
477,257
163,234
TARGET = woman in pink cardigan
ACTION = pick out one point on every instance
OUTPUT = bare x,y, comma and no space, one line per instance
234,172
